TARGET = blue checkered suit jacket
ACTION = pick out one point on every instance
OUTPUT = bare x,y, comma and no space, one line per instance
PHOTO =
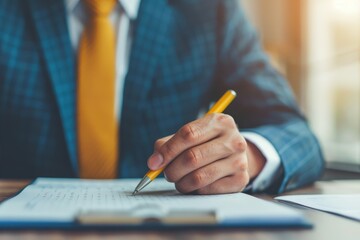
185,54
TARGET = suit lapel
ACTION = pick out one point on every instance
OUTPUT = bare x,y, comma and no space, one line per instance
51,26
149,42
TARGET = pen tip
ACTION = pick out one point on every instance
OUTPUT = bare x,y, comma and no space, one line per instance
135,192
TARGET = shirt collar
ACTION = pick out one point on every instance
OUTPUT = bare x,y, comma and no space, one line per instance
131,7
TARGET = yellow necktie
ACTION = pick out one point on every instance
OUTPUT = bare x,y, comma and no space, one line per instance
96,121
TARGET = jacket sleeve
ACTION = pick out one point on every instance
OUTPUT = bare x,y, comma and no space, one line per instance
265,104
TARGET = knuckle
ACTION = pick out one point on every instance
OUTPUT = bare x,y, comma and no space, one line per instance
192,158
239,164
189,132
226,120
239,144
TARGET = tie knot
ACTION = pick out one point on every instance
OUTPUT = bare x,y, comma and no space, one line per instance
100,8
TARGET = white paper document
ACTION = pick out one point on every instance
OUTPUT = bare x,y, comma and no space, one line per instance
347,205
60,200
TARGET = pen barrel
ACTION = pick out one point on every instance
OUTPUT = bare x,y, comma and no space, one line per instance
153,174
223,102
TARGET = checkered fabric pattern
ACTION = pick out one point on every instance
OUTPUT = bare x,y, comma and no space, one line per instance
185,54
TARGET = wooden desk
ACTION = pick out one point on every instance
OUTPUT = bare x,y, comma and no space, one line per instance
326,226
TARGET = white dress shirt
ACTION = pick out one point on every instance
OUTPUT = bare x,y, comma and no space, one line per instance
121,17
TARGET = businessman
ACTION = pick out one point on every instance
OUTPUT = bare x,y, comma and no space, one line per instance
109,88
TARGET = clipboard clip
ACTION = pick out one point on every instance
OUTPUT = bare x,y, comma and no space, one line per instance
146,214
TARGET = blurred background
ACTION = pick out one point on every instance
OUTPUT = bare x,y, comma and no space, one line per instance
316,45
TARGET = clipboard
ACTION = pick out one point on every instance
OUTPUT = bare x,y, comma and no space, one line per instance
39,206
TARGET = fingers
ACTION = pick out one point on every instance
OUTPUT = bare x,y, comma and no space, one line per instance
156,159
203,179
206,156
158,144
197,157
190,135
229,184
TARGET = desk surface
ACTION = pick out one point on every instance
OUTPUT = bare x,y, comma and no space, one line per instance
326,226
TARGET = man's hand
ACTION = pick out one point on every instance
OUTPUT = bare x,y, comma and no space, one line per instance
207,156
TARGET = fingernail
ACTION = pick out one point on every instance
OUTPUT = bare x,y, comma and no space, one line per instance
155,161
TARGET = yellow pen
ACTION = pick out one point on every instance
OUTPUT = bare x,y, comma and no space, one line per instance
218,107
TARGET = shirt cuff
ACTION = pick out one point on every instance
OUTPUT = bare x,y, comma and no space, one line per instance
272,165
